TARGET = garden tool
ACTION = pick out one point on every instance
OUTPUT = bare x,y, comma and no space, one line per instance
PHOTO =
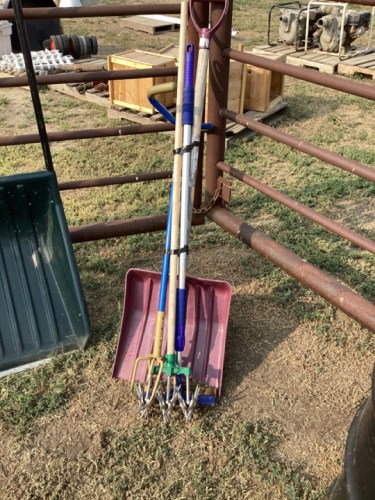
145,400
172,235
173,365
170,366
186,405
192,106
207,312
205,35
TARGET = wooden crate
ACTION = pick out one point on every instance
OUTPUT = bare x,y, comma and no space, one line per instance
264,88
170,50
132,94
234,89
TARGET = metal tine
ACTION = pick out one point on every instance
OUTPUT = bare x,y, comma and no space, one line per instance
141,399
159,396
192,405
182,404
170,404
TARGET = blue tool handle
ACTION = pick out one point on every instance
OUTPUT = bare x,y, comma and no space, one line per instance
168,116
180,319
165,268
162,110
189,66
169,87
188,106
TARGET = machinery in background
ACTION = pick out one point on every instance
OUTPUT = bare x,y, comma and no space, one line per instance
331,27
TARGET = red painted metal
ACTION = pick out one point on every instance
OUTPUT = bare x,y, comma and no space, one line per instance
217,99
337,294
91,11
207,33
202,15
321,219
110,181
13,140
206,326
83,77
118,228
332,82
351,166
370,3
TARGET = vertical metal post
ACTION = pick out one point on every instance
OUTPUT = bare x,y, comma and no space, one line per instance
24,41
202,11
217,96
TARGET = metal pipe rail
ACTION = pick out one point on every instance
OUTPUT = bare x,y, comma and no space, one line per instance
369,3
92,11
118,228
335,159
320,219
131,74
112,181
337,294
94,133
331,82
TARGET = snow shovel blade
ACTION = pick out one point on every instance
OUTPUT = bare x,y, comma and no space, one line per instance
206,327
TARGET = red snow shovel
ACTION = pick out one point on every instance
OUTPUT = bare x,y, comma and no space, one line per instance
206,328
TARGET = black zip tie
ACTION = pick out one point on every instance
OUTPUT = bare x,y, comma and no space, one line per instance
179,251
186,149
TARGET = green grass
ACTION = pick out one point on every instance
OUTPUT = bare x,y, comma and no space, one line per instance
33,394
214,459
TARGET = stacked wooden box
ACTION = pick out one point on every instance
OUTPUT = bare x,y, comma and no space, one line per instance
132,94
264,88
236,83
250,88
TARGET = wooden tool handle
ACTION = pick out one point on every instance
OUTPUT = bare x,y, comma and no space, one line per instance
177,167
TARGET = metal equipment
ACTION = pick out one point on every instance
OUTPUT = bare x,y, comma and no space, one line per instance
329,26
292,23
339,27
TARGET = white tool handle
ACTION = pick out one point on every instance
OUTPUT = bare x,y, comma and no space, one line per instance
200,92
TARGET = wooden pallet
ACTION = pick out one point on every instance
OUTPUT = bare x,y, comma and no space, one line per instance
237,132
234,131
364,65
325,63
151,26
90,95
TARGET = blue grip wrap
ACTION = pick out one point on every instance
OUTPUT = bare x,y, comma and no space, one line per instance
180,319
189,66
188,106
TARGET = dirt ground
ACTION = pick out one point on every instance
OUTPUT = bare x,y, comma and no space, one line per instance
277,368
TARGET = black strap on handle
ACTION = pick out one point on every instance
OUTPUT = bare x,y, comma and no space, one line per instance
186,149
179,251
24,41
